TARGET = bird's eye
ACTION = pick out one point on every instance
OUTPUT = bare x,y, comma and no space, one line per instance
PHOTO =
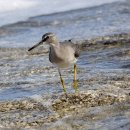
47,37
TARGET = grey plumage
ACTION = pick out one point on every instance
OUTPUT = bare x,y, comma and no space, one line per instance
62,54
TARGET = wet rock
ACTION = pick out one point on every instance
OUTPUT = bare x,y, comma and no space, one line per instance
21,105
93,99
99,87
107,41
25,113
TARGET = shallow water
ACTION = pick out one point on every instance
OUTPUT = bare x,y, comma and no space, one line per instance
31,95
30,98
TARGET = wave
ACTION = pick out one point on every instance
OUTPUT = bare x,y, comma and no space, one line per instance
17,10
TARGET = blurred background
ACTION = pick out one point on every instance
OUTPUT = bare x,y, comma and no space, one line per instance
30,90
23,22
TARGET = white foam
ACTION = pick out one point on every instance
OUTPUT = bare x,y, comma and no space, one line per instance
16,10
39,98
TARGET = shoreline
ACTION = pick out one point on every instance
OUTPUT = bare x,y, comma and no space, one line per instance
104,80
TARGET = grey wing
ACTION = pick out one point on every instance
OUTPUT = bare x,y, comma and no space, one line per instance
77,52
76,47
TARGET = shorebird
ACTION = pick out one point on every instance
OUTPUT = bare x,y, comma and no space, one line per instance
61,54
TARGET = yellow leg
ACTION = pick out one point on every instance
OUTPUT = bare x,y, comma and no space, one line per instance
75,79
62,81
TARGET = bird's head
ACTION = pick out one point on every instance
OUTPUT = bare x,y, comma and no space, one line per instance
49,38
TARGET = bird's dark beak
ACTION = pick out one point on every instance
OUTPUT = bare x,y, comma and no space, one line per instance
38,44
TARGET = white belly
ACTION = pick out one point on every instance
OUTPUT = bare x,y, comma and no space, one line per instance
66,64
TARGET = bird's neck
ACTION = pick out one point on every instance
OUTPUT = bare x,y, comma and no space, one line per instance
55,44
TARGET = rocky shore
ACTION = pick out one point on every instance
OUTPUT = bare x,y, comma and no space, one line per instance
103,95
